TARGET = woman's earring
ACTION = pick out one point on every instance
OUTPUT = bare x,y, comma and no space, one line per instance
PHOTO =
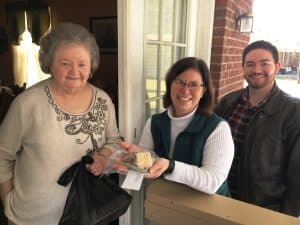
91,75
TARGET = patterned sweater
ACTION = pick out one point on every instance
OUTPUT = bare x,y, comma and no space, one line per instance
38,141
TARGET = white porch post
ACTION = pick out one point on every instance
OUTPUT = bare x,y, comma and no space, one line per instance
130,77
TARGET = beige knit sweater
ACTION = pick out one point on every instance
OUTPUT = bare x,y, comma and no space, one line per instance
38,141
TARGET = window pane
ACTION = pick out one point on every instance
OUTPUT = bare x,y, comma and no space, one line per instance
165,60
161,106
166,43
152,19
151,108
151,88
167,20
162,87
152,65
147,110
152,70
181,9
179,53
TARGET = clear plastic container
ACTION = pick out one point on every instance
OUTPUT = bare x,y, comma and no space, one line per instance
122,161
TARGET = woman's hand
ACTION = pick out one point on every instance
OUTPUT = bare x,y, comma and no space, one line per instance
158,168
130,147
5,188
100,159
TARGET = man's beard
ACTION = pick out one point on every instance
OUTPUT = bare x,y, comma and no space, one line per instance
263,81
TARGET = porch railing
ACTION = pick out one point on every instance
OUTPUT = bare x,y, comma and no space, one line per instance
171,203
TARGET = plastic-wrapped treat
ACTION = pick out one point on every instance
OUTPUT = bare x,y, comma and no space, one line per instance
123,161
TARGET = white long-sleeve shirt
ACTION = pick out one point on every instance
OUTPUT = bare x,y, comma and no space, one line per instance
217,155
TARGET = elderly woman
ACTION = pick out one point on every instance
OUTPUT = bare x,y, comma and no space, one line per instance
53,124
194,145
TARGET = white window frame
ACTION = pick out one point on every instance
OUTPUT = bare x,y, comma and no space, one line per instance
160,43
131,69
204,36
130,93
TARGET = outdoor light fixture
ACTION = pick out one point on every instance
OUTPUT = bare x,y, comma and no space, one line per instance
244,23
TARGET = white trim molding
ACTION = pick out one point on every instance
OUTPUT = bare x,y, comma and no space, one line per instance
203,21
130,80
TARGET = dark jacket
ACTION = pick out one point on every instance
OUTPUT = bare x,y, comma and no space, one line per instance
269,171
194,136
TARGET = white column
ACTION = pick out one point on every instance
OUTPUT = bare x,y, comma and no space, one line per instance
131,87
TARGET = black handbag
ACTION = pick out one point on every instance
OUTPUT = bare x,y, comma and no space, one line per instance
91,200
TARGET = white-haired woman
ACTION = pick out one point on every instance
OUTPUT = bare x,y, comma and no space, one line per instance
53,124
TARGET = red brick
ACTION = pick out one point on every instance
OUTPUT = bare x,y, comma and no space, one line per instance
228,45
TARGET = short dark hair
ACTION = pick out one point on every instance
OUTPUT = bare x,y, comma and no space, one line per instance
206,103
67,34
261,45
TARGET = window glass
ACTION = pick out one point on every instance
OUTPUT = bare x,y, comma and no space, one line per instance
151,71
165,60
151,108
152,61
153,23
151,88
179,53
165,44
167,20
180,28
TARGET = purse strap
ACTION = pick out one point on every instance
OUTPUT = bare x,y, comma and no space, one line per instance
69,173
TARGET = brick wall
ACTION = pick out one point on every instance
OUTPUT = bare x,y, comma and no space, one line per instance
227,46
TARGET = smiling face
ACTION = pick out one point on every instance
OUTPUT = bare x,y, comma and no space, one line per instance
71,67
186,97
260,69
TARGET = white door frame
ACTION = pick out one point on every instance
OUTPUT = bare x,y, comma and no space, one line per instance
130,93
204,29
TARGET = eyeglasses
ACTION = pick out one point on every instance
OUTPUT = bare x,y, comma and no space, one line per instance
193,85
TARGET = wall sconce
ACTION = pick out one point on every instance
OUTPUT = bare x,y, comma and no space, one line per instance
244,23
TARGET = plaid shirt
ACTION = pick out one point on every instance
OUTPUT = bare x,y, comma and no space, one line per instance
239,121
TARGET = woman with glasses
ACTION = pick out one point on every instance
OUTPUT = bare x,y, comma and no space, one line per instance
194,145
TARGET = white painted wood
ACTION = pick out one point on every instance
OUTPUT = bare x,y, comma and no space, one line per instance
130,72
130,80
204,29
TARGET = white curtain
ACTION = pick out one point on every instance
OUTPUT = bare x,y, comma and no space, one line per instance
26,67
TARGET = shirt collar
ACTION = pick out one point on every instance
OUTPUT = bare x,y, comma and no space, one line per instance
246,101
170,114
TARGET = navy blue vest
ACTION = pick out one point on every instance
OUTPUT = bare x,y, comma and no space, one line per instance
194,136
